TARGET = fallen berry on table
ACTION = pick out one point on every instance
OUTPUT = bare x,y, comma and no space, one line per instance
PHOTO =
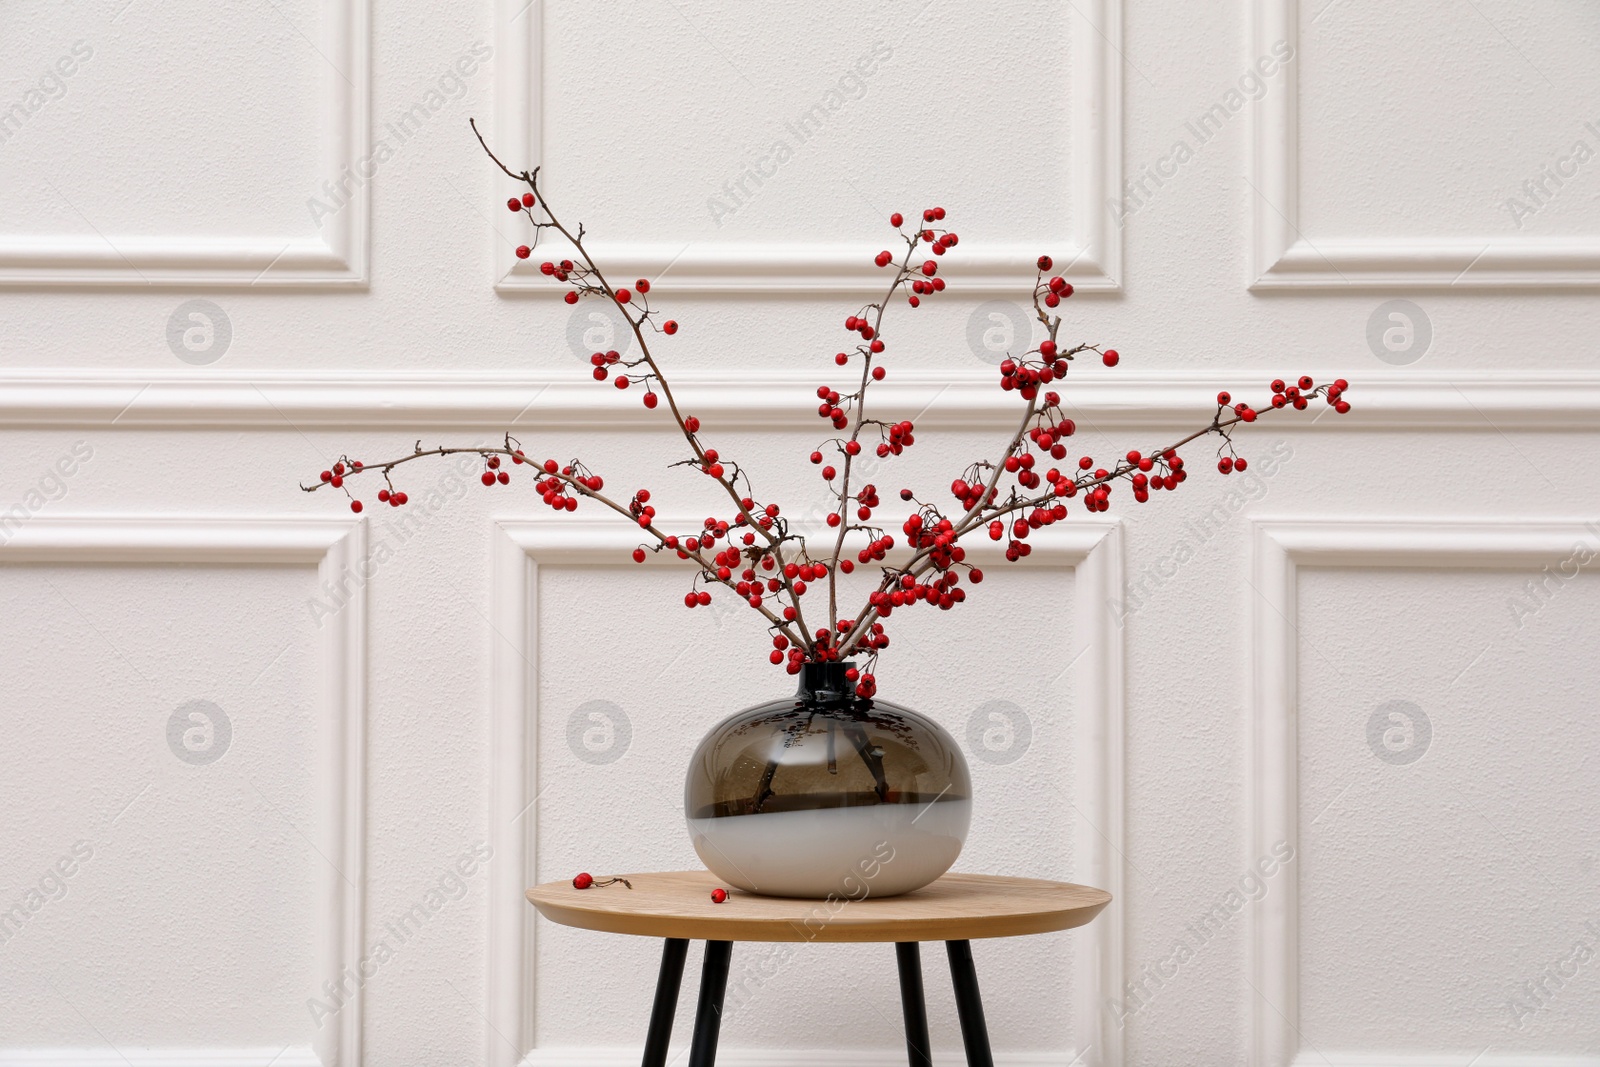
718,895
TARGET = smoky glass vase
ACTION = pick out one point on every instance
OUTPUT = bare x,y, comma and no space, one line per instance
826,793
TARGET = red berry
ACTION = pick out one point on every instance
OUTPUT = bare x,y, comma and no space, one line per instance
527,199
643,285
523,251
623,296
355,506
650,400
383,496
514,204
1045,263
583,880
571,298
1111,357
502,478
488,478
669,327
719,894
896,219
1223,399
400,498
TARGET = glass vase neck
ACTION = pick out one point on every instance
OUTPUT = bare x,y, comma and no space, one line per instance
825,682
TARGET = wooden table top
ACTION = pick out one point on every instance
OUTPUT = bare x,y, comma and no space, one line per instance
958,907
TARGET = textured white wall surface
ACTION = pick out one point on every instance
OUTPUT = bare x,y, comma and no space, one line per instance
1326,730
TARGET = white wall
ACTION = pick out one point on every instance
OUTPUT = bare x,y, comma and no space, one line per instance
1203,679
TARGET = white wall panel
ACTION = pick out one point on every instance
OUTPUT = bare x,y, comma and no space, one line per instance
1418,713
1063,780
203,923
1358,181
184,150
777,207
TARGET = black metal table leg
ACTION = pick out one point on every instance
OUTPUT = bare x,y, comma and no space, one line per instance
969,1006
708,1014
674,951
909,956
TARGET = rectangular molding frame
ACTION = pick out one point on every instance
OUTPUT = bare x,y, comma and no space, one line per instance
1093,549
338,549
967,399
336,258
1279,547
778,266
1282,258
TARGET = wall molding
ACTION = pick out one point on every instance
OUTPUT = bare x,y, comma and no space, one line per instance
1279,547
1094,251
1092,549
337,257
159,1057
337,549
629,1057
1488,1059
956,399
1282,257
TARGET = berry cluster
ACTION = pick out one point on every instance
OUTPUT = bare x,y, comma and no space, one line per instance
752,552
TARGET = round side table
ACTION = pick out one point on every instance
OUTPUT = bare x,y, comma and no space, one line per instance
677,907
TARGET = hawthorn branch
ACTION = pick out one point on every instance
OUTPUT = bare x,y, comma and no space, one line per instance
921,562
531,178
708,570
